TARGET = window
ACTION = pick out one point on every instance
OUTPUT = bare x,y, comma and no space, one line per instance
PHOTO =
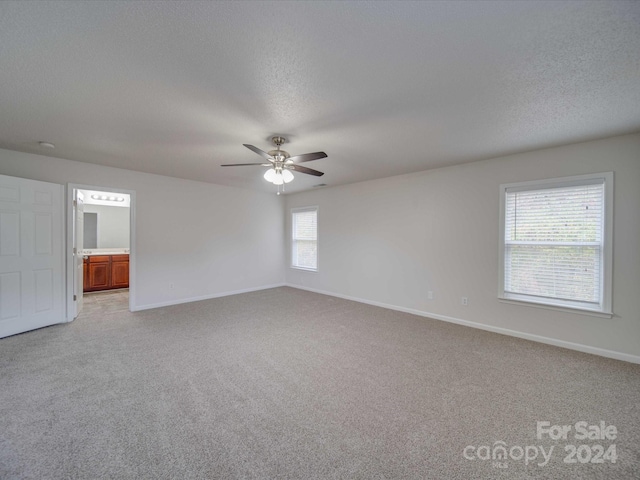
556,242
304,242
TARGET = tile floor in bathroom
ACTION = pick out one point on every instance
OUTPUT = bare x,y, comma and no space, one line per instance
104,303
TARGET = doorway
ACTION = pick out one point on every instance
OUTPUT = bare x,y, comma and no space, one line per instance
106,259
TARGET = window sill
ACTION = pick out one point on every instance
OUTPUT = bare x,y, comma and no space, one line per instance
312,270
558,308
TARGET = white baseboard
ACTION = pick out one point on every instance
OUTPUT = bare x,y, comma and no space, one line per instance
138,308
625,357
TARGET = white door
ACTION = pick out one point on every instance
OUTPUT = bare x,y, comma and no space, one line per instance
31,255
78,258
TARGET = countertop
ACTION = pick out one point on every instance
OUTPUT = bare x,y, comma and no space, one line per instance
105,251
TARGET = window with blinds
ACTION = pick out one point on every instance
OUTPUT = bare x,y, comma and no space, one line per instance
554,242
304,242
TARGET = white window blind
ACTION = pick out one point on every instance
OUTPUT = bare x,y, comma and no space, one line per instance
304,244
554,243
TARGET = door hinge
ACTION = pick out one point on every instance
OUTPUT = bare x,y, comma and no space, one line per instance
74,250
75,203
75,298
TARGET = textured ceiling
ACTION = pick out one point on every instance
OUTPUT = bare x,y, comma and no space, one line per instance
385,88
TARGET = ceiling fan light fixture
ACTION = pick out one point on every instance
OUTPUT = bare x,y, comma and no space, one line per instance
278,177
278,180
270,175
287,176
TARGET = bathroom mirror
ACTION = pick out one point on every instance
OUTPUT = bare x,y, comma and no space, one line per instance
105,227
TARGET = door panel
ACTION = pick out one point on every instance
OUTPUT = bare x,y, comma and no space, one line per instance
42,234
9,295
44,289
120,274
98,275
31,255
9,234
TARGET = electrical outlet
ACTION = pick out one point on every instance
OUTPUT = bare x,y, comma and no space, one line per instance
464,301
430,295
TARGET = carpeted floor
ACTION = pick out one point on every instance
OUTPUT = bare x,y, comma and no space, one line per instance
285,383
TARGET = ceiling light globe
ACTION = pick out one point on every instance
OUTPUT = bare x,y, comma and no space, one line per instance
278,180
270,175
287,176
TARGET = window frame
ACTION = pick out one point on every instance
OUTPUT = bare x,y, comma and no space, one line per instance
292,240
604,309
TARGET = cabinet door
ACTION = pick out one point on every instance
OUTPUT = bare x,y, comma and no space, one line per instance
120,274
99,275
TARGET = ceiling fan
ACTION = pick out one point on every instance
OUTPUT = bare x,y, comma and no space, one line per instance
281,163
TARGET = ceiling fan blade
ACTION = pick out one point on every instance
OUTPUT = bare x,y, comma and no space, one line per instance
245,164
259,152
301,169
307,157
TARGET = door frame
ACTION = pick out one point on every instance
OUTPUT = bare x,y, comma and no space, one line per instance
78,232
69,247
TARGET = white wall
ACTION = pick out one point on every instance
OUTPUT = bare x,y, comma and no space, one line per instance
194,240
387,241
391,241
113,225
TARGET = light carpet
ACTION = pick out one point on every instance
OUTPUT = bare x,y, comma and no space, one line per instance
284,383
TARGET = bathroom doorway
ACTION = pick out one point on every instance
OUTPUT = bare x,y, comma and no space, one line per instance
101,253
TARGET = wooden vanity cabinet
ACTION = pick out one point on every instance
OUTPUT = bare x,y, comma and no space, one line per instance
105,272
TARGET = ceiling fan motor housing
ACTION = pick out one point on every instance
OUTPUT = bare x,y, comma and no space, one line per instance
279,153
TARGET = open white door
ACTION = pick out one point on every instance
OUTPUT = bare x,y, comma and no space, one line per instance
31,255
78,258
